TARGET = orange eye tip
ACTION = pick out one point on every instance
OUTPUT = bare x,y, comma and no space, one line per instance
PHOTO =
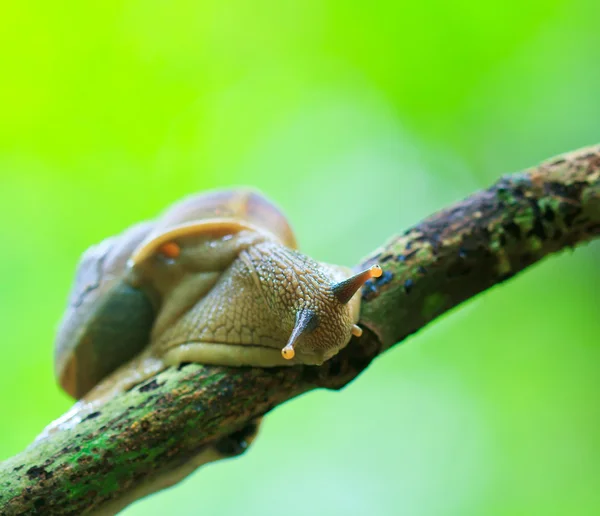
376,271
170,250
288,353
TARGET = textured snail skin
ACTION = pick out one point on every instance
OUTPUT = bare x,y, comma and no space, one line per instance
265,287
216,280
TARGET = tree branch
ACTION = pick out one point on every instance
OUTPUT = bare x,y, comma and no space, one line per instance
186,416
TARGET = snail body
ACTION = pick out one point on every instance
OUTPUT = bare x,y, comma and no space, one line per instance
216,279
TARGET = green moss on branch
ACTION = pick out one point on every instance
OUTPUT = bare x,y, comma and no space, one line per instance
481,242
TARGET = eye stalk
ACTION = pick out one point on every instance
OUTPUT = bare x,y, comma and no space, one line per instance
306,321
344,290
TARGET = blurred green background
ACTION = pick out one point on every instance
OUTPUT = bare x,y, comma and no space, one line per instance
358,119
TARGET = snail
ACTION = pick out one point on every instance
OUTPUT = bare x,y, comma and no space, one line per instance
216,279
